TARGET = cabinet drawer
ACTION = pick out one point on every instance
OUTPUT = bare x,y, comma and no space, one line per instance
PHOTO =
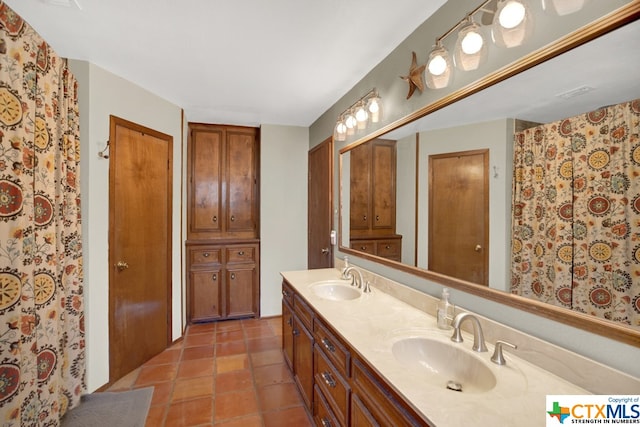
204,256
287,293
367,246
241,254
332,347
388,248
303,311
333,386
323,416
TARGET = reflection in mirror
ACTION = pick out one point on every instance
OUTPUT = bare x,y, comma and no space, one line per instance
600,73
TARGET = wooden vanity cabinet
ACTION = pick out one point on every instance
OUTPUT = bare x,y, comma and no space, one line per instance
222,219
345,390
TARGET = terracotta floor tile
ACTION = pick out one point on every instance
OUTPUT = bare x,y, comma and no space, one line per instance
192,353
231,347
251,421
269,357
272,374
232,363
292,417
201,328
155,417
192,387
227,336
190,413
166,357
229,325
263,344
126,382
279,396
232,405
198,340
161,393
156,374
196,368
233,381
260,331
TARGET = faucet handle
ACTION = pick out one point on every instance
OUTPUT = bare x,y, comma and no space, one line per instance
367,287
498,357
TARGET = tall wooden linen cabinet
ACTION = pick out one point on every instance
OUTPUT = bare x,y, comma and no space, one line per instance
223,246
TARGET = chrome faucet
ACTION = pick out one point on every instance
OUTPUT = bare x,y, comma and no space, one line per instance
356,279
478,336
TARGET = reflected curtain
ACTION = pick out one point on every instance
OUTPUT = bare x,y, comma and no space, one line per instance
576,213
41,304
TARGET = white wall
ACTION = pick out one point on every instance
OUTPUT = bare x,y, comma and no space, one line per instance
103,94
283,209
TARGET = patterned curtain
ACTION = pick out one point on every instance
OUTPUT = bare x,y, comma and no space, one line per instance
576,213
41,303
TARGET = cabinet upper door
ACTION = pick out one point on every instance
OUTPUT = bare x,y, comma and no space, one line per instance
205,157
360,205
241,179
383,175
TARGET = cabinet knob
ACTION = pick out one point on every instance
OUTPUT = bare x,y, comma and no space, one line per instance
328,379
233,218
325,251
241,253
387,247
363,248
215,218
478,248
206,254
296,332
233,276
364,217
289,322
214,277
285,293
377,217
121,265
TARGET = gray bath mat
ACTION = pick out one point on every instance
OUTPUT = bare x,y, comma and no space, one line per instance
109,409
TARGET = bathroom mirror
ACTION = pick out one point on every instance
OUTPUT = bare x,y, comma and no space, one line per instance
562,86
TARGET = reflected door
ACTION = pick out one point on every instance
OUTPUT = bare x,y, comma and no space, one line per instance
459,215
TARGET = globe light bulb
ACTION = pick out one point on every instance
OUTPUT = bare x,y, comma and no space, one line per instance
437,65
512,14
472,43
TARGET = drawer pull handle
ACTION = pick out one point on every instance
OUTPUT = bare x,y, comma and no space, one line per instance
215,218
285,293
214,277
328,379
241,253
325,422
206,254
327,344
233,276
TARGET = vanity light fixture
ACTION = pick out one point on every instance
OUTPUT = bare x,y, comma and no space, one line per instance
438,72
471,47
367,109
512,23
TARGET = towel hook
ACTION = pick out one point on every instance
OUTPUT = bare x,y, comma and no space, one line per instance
102,154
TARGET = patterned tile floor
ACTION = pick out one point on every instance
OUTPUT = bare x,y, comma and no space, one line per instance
228,373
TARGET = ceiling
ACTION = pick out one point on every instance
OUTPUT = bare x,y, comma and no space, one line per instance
242,62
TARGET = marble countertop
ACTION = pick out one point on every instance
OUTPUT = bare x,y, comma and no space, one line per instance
373,322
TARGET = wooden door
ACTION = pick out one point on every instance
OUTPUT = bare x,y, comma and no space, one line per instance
303,360
241,287
205,183
360,187
140,193
242,184
320,206
459,215
383,176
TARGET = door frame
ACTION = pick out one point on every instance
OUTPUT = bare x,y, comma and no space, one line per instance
114,122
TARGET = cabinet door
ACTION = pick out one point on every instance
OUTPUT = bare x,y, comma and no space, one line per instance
287,334
205,295
360,415
360,167
205,196
241,182
241,289
383,175
303,360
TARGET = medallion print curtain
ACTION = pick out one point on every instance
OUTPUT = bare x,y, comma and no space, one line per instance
576,213
41,304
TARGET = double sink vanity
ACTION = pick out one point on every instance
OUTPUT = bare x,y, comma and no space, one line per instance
370,358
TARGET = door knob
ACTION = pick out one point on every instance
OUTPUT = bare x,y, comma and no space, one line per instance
121,265
478,248
325,251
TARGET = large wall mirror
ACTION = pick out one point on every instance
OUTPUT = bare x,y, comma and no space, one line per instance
466,141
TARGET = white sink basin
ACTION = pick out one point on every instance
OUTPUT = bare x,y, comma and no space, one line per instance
443,364
335,290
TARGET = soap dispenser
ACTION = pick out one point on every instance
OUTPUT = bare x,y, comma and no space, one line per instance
444,311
